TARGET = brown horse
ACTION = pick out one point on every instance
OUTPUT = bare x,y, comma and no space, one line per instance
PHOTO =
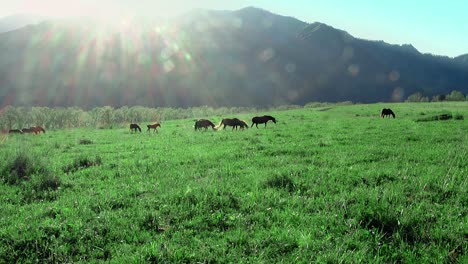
262,120
204,123
234,122
153,126
37,129
134,127
387,112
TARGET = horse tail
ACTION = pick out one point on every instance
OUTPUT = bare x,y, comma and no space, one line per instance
218,126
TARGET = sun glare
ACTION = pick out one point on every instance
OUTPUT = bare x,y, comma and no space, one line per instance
103,9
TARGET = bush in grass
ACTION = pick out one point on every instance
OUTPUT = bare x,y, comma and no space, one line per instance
82,162
281,182
85,141
37,182
20,167
435,118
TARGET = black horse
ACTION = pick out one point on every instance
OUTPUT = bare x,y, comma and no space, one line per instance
387,112
15,131
262,120
204,123
134,127
234,122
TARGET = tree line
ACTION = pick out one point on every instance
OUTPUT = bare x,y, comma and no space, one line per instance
453,96
107,117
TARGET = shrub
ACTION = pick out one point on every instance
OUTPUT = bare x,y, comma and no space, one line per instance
21,167
281,182
85,141
435,118
32,176
82,162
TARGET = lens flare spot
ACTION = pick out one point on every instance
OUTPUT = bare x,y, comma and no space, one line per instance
293,95
290,67
397,94
266,54
394,76
188,57
353,70
169,66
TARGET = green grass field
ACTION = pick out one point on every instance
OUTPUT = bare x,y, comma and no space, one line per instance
334,184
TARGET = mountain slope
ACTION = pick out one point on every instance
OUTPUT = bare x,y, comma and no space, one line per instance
218,58
13,22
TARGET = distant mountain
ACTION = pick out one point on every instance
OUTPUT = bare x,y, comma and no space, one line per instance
18,21
248,57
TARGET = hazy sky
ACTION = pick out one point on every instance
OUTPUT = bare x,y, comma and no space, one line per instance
435,26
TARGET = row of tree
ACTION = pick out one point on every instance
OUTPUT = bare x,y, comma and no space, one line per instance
107,116
453,96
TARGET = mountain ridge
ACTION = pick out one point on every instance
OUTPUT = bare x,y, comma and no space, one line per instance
247,57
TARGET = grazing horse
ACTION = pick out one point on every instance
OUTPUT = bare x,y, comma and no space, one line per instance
37,129
204,123
235,122
134,127
153,126
243,125
15,131
387,112
262,120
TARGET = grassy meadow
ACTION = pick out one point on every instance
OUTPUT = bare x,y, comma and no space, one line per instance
328,184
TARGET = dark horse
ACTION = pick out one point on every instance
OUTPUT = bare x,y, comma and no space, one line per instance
387,112
235,122
134,127
37,129
262,120
204,123
15,131
153,126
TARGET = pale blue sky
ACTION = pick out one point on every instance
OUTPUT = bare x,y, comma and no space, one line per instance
432,26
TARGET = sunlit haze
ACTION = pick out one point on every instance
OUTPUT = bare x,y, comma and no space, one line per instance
431,26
